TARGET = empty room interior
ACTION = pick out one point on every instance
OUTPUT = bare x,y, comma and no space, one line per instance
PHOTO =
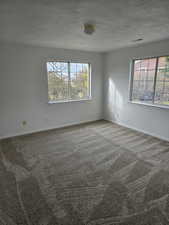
84,112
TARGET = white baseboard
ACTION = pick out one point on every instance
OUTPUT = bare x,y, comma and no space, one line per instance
139,130
49,128
83,122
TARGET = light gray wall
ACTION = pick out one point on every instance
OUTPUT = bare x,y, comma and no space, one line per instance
148,119
23,90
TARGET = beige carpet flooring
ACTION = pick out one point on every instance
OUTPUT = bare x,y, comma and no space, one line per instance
93,174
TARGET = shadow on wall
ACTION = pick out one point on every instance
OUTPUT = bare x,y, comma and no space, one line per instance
114,101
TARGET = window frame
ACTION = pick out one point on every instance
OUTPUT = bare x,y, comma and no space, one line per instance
131,78
89,98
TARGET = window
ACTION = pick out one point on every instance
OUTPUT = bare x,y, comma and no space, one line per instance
68,81
150,81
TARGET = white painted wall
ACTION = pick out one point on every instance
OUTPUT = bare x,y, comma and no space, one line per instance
23,90
148,119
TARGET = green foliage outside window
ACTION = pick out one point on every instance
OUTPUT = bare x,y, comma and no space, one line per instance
66,84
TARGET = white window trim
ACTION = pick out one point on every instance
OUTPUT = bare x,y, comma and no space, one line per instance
130,89
89,98
71,100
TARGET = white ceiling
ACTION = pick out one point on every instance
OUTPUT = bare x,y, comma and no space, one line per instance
59,23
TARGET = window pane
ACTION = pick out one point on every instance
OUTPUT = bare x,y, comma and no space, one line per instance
79,74
162,82
143,80
57,81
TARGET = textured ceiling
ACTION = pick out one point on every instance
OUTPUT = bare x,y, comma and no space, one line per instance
59,23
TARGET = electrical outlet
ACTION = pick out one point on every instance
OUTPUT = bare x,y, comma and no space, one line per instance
24,123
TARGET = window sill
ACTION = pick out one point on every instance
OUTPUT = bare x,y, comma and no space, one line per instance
150,105
69,101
